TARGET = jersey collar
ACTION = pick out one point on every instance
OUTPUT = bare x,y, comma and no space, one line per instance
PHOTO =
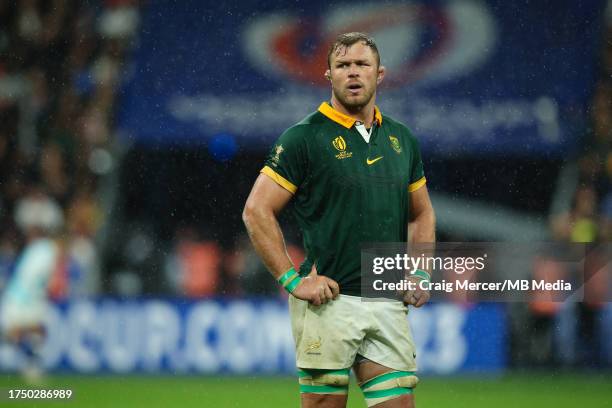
345,120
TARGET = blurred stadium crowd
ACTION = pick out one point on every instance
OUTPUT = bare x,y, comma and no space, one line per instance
583,215
60,67
61,70
582,209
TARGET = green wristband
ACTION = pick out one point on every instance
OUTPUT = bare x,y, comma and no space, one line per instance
290,280
293,284
424,275
287,276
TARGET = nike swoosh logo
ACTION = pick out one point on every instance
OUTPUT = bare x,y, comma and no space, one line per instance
371,162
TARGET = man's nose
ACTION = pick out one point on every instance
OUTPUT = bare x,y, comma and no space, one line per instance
353,70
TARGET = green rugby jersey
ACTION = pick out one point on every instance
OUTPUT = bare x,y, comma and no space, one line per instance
346,191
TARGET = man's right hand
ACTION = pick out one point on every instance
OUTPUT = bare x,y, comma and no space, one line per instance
317,289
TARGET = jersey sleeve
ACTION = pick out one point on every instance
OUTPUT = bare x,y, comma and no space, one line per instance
417,174
286,163
34,268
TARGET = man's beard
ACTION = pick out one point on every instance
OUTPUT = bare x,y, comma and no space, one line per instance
353,103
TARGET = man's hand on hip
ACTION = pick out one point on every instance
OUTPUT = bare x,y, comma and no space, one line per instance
417,297
317,289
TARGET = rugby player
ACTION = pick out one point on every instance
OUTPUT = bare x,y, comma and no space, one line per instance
25,303
354,175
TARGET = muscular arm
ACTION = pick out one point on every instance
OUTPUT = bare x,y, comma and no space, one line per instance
422,226
422,229
265,202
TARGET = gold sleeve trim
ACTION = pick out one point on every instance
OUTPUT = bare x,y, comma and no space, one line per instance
417,184
280,180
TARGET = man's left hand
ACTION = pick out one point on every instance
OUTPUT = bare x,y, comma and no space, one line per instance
417,297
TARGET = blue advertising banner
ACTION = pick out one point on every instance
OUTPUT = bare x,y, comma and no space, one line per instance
466,76
239,337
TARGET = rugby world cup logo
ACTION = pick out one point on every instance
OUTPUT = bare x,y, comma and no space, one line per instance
339,143
420,43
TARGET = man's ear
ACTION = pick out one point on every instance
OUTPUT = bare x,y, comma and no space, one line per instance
328,75
381,74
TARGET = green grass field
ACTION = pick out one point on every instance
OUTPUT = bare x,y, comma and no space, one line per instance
533,390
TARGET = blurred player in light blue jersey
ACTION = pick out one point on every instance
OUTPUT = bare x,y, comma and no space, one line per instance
24,303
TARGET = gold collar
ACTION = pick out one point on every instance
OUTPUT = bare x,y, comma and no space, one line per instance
345,120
